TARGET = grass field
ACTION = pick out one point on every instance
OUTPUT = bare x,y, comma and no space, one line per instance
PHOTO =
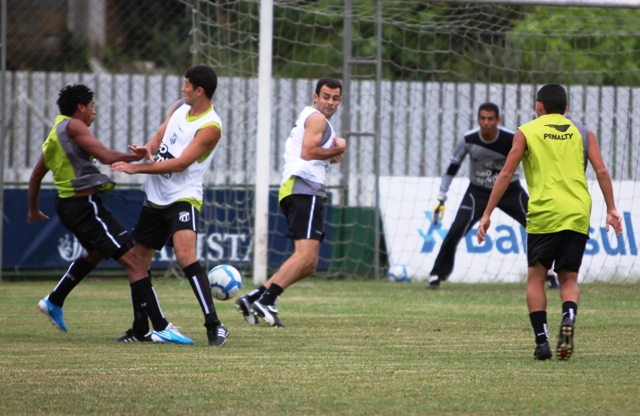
349,348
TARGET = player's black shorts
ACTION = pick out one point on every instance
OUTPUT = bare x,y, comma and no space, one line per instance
156,225
304,217
93,225
562,250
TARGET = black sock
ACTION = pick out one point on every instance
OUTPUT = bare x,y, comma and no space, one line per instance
255,294
77,271
569,309
143,292
200,284
271,295
539,324
140,324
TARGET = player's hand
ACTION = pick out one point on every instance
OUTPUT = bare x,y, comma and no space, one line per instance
123,167
340,143
336,159
142,152
614,220
438,211
485,223
36,216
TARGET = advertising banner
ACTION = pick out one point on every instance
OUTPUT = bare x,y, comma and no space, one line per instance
224,234
413,240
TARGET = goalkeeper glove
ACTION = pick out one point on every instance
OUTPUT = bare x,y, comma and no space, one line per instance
438,211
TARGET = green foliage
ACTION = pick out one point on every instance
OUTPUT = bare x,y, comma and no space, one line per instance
594,46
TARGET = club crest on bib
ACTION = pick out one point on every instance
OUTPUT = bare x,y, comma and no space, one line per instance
184,216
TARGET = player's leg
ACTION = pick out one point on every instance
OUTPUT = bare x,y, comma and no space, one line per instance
568,264
144,294
468,214
79,216
306,229
150,234
182,219
514,203
541,249
51,305
184,245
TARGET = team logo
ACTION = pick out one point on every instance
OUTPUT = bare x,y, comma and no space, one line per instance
69,247
560,127
184,216
173,139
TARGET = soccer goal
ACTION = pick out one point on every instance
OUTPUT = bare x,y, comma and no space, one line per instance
414,74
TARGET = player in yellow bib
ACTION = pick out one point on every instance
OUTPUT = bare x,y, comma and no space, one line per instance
554,151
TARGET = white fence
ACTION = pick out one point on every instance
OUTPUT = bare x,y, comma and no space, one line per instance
421,122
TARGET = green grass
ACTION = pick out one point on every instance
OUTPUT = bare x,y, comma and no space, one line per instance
349,348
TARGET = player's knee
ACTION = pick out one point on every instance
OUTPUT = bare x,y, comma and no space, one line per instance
93,257
310,265
185,257
133,261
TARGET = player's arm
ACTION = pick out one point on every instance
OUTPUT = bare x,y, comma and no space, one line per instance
459,153
153,145
35,183
604,180
454,165
314,126
514,157
79,132
205,140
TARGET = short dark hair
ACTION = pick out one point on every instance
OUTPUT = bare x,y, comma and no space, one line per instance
203,76
553,98
330,83
70,96
489,106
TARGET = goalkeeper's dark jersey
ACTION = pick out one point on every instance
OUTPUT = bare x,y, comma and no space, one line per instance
486,159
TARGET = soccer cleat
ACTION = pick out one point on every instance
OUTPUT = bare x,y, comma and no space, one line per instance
53,312
217,335
543,352
267,312
552,281
565,339
242,305
130,336
434,283
170,335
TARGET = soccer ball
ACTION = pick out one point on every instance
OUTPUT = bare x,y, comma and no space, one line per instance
397,273
225,282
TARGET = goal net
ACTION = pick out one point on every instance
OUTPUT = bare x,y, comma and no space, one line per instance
439,61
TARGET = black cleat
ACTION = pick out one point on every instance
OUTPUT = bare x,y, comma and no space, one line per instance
565,339
244,307
543,352
267,312
434,284
217,335
129,336
552,281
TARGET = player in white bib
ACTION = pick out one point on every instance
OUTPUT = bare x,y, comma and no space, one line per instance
182,151
311,147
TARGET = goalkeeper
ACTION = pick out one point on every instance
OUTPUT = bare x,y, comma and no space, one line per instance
487,147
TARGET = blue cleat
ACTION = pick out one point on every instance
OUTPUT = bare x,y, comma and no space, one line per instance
53,312
170,335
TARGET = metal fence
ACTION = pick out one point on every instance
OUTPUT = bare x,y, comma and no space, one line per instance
421,122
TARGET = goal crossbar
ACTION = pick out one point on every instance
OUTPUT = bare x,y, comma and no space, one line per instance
630,4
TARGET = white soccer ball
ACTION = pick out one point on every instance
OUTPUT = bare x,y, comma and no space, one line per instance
397,273
225,282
